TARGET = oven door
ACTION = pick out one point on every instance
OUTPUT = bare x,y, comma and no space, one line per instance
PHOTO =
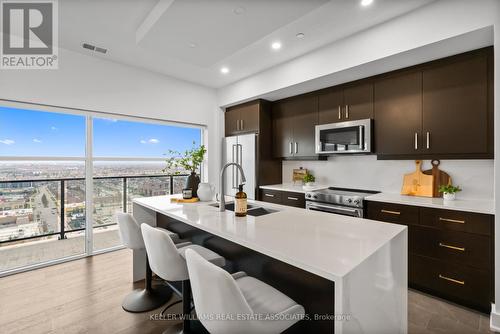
337,209
343,137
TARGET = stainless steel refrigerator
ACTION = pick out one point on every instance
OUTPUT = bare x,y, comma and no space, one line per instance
242,150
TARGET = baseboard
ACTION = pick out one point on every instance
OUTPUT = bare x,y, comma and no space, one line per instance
494,319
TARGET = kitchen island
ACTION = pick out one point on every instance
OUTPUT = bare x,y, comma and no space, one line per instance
350,271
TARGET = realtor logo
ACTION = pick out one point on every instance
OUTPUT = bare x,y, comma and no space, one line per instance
29,34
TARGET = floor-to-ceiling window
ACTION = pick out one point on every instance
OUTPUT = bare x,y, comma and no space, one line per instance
50,158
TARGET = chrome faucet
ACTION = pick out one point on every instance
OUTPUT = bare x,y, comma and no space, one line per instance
222,204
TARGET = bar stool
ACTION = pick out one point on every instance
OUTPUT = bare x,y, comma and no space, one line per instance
246,304
168,262
149,298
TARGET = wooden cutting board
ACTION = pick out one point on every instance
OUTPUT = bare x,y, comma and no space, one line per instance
440,178
418,183
182,200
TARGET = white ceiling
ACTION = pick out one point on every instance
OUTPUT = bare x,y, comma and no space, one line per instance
193,39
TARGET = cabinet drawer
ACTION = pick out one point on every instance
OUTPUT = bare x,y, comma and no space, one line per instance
271,196
457,220
393,213
463,284
294,199
458,247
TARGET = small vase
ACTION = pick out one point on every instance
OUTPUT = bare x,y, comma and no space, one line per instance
449,196
192,182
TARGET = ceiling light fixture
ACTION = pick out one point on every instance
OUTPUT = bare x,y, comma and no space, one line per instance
300,35
365,3
276,45
239,10
192,45
224,70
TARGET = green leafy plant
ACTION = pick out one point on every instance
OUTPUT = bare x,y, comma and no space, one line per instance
190,160
308,178
449,189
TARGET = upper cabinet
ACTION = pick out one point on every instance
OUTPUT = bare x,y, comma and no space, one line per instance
294,121
243,118
441,109
398,114
340,104
455,107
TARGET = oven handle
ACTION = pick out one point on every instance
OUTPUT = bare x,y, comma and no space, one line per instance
334,209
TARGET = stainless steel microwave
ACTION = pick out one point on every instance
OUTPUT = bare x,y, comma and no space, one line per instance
344,137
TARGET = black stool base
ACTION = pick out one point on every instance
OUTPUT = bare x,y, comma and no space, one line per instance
143,300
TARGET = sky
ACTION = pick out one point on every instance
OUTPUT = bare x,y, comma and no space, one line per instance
36,133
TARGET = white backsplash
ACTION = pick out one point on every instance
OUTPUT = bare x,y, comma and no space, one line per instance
475,177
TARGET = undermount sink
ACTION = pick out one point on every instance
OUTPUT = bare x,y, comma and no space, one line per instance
252,210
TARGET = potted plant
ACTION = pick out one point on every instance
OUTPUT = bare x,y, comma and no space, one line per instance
308,179
190,161
449,191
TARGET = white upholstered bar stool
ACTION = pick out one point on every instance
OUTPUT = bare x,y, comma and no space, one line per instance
237,303
149,298
168,262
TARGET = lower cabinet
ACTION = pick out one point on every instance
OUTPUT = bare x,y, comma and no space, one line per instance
450,252
297,200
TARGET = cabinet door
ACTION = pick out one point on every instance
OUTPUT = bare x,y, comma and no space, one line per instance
330,107
455,107
249,117
283,129
305,118
231,122
398,114
358,102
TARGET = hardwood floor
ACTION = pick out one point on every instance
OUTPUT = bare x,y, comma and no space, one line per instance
85,296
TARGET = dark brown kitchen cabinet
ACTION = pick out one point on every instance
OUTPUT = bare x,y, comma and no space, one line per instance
398,114
288,198
347,103
294,121
455,106
243,118
450,252
442,109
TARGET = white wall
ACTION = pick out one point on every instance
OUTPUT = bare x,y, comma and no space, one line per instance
359,56
92,83
475,177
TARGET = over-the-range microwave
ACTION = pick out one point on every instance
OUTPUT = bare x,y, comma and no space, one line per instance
344,137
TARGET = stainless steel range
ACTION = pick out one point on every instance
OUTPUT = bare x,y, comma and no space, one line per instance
342,201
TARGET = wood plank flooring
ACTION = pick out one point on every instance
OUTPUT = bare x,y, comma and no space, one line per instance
85,296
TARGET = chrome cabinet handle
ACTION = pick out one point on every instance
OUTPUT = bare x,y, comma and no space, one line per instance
391,212
451,279
293,198
237,125
340,112
460,249
416,140
428,135
269,195
296,148
241,125
452,220
291,148
346,111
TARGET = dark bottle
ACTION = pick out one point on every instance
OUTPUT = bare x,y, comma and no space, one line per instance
240,201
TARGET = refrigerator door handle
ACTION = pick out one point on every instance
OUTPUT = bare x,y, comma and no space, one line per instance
232,167
239,161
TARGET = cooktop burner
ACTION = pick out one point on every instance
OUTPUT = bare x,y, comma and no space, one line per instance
342,196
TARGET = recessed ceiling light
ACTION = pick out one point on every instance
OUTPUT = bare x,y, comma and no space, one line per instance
239,10
365,3
224,70
276,45
192,45
300,35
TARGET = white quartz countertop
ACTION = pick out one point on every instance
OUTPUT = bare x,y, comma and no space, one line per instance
324,244
480,206
297,188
